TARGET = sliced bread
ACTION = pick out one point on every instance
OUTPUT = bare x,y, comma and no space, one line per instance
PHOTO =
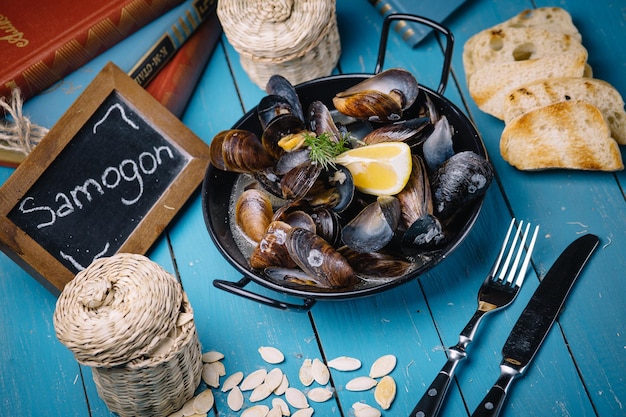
552,90
569,134
514,44
490,84
554,19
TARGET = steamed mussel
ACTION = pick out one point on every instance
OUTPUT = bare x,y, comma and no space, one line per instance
305,223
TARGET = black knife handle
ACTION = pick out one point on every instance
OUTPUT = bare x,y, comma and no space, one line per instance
430,403
491,405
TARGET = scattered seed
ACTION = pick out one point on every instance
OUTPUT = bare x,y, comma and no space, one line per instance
385,392
271,354
232,381
361,383
178,413
282,405
274,378
284,384
364,410
306,373
320,395
188,408
253,380
235,399
383,366
260,393
219,367
203,402
345,363
256,411
304,412
320,372
296,398
210,375
275,412
212,356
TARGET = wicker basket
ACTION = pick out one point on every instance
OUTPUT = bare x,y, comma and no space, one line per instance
297,39
129,320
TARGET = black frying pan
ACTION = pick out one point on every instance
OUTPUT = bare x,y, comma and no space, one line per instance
218,185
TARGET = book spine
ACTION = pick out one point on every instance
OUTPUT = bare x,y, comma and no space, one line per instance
406,31
163,50
85,45
175,84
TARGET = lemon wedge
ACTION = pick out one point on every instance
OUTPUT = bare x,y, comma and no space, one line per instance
378,169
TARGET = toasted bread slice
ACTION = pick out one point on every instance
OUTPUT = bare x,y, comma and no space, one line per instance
568,134
514,44
490,84
544,92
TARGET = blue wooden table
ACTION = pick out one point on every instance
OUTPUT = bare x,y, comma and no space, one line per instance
580,370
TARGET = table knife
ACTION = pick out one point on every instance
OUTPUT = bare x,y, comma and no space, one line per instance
536,320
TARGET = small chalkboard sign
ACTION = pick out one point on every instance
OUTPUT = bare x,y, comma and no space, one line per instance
107,178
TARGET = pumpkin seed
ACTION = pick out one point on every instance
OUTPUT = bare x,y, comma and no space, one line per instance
382,366
361,383
296,398
284,384
320,395
364,410
282,405
256,411
212,356
275,412
345,363
306,373
253,380
271,355
188,409
319,372
385,392
232,381
274,378
210,375
235,399
260,393
203,402
304,412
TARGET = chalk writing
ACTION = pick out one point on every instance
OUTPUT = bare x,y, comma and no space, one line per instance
122,113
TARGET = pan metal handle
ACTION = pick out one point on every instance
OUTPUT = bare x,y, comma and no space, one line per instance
237,288
447,61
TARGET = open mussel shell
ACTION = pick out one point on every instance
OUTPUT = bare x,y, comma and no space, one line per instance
425,234
271,250
239,150
280,86
381,97
272,106
416,198
374,227
462,179
334,189
281,127
321,120
412,131
319,259
297,182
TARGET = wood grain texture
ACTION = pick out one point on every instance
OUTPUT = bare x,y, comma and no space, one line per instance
578,372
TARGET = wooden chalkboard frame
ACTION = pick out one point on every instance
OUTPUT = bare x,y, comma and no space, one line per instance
29,253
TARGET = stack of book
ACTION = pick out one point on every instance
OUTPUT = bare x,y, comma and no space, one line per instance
52,51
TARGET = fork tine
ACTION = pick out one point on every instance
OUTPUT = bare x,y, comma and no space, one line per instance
507,262
496,264
509,278
522,272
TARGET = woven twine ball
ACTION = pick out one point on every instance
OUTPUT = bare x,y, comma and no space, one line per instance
128,319
297,39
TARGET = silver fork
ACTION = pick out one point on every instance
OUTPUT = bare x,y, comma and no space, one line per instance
497,291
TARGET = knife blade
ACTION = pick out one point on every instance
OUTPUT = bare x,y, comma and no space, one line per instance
535,322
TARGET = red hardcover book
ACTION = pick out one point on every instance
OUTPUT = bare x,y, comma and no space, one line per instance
175,83
41,40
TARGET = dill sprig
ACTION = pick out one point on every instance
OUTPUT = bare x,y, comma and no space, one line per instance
324,149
